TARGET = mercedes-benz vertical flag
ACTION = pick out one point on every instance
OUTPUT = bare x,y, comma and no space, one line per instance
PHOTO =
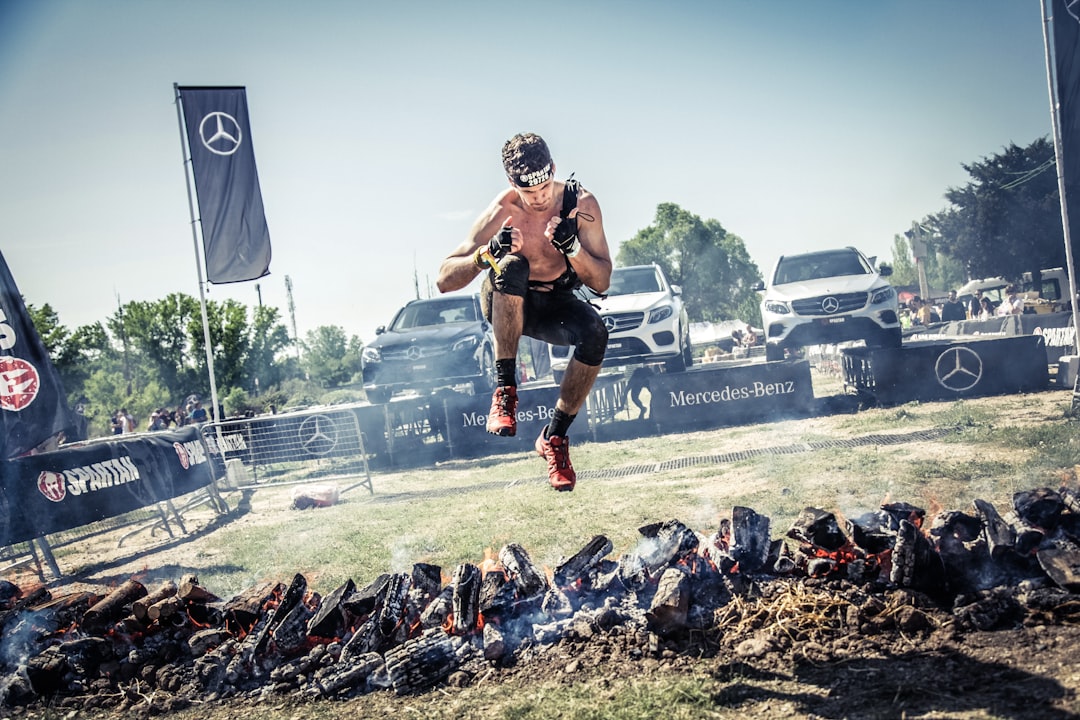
236,241
1066,14
33,406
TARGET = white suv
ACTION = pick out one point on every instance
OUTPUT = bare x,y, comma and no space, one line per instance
645,318
830,296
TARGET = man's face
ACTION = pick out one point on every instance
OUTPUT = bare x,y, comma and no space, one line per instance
952,297
538,197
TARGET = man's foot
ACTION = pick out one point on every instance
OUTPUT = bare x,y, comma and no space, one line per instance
556,450
502,419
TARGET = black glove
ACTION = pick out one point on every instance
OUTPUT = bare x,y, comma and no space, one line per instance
500,243
565,238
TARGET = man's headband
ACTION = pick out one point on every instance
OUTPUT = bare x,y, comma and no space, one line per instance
536,177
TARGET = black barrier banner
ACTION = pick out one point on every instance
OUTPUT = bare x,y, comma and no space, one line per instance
736,395
1055,328
71,487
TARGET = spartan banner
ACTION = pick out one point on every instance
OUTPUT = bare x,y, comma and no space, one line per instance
236,241
69,488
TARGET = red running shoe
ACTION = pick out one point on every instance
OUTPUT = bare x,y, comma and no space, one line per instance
502,419
556,450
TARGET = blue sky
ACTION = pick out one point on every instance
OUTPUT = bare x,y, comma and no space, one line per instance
377,129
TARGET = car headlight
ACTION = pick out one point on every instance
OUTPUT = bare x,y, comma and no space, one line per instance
882,295
776,307
658,314
467,343
371,355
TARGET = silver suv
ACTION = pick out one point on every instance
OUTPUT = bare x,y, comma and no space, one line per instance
830,296
645,318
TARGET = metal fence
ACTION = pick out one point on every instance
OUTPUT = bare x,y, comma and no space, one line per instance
318,444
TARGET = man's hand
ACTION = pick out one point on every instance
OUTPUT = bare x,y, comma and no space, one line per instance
501,242
563,234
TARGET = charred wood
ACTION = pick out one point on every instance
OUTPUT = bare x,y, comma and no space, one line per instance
750,539
292,597
164,609
244,610
1070,499
531,582
366,639
497,594
466,598
581,568
395,596
1000,537
190,590
329,620
1027,535
818,528
668,609
1060,559
290,635
494,642
338,679
426,583
439,609
1041,507
666,542
421,662
362,602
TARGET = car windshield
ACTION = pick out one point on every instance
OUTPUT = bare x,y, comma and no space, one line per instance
631,281
441,312
800,268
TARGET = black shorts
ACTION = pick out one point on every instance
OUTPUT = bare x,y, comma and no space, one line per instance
557,316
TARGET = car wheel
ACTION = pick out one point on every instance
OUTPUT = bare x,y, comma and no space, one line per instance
378,396
685,358
774,352
486,382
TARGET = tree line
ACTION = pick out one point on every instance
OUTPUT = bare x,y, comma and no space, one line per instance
151,354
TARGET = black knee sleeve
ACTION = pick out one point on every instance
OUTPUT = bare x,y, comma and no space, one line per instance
514,280
592,342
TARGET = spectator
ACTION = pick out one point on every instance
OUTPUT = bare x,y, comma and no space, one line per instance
198,413
975,305
986,309
1013,304
952,309
127,422
116,426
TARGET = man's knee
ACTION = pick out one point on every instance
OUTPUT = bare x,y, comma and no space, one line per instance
592,344
513,280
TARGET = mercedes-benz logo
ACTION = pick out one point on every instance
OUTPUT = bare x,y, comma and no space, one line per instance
413,353
220,133
958,369
830,304
609,323
318,435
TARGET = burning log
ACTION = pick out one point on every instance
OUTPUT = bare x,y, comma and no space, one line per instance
329,620
915,563
439,609
668,611
466,598
1027,536
498,594
582,566
494,642
818,528
244,610
426,583
664,543
395,597
750,539
363,601
1041,507
531,583
190,590
366,639
1060,559
1000,537
139,607
336,679
424,661
113,607
164,609
203,641
290,635
1070,499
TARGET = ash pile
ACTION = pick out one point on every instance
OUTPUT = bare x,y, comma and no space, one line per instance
678,593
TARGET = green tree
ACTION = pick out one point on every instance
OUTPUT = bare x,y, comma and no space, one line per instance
710,264
330,358
266,362
1007,220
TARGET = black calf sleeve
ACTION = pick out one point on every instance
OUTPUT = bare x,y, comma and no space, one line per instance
506,371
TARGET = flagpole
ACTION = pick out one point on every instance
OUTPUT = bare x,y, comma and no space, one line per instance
1058,153
198,262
